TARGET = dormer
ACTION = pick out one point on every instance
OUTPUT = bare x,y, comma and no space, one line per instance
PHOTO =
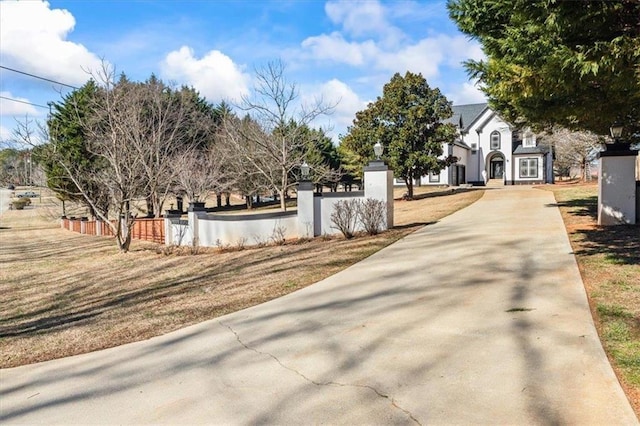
528,139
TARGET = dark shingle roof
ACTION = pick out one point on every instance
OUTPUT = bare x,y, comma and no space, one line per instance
464,115
530,150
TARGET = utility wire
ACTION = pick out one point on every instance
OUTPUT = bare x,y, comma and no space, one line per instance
38,77
23,102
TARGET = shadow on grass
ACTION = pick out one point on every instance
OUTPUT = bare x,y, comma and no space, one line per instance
442,193
587,206
619,244
414,224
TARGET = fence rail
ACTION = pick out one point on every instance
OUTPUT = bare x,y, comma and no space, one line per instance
143,229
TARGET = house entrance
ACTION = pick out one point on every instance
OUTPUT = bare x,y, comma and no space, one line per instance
496,167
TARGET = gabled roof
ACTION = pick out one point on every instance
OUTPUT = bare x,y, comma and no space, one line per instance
464,115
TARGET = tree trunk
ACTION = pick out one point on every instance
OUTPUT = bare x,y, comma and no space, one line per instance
283,200
150,206
409,183
283,194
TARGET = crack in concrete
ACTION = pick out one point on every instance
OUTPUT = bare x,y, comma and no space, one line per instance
316,383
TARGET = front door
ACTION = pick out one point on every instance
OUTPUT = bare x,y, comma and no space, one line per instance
497,168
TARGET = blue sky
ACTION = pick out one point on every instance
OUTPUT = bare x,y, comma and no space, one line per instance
344,51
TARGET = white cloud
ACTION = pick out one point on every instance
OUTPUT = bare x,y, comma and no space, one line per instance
34,39
346,101
366,18
358,18
5,135
335,48
468,93
215,75
424,57
9,108
427,55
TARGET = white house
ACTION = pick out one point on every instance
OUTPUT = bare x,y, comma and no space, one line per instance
490,149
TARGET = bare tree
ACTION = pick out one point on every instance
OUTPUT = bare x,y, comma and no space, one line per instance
199,172
114,136
278,141
245,167
168,124
573,149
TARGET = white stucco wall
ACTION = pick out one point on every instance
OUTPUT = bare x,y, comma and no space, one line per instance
313,214
249,229
324,206
178,232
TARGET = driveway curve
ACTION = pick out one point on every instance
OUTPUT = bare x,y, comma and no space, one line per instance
481,318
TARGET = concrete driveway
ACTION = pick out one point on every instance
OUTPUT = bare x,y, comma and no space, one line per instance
479,319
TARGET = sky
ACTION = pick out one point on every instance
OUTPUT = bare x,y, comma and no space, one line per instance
343,51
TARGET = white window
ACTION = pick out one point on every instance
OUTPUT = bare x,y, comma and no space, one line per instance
528,167
495,140
529,140
434,177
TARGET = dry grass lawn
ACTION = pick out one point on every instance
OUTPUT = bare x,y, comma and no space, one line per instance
609,261
63,293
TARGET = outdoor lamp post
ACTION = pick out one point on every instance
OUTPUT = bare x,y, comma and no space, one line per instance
616,134
304,171
616,131
378,149
617,192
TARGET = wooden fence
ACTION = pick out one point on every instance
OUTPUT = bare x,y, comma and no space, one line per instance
143,229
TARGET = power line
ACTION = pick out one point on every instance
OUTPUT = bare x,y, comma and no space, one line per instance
38,77
23,102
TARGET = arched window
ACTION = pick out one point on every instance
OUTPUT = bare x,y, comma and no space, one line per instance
495,139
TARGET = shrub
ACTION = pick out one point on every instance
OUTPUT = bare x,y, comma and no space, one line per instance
20,203
345,217
372,215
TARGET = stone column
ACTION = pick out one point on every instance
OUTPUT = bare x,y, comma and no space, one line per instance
617,186
378,185
306,219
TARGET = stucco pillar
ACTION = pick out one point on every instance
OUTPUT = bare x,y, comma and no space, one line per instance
193,213
378,185
306,219
617,187
169,216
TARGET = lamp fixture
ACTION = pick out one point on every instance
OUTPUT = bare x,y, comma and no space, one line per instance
378,149
304,171
616,131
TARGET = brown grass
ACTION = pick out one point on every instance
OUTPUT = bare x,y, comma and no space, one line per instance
63,294
609,261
